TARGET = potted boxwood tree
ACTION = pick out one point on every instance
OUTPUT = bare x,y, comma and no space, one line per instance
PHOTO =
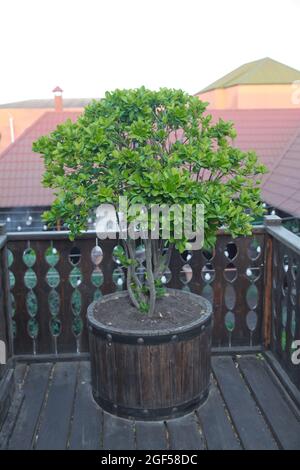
150,346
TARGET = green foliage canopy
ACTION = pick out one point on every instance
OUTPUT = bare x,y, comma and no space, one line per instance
155,147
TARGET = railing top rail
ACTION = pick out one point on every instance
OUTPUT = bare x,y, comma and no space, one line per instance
274,228
64,234
48,235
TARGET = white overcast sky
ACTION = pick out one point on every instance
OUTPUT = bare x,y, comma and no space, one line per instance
90,46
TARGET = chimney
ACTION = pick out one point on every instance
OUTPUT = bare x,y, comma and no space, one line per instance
58,101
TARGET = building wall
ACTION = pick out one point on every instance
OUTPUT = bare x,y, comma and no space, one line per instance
22,119
253,97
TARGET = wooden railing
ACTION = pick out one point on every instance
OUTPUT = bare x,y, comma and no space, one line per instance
6,351
5,312
284,295
52,281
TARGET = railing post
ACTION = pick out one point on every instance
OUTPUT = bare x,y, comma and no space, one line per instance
269,220
6,369
6,294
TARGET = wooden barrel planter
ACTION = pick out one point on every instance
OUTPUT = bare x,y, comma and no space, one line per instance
150,373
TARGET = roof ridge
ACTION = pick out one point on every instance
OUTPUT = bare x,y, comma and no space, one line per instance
256,66
231,72
261,71
45,100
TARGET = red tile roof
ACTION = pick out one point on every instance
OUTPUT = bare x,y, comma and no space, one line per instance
21,169
274,134
282,186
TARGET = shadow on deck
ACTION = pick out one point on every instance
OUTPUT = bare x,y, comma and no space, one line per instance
248,408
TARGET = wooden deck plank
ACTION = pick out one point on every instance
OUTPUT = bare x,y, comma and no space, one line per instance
184,434
63,414
35,387
250,425
87,417
11,418
19,374
151,435
217,429
55,420
281,419
118,433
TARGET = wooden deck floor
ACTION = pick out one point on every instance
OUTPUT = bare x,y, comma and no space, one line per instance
247,408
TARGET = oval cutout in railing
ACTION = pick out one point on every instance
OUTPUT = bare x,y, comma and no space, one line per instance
254,249
284,286
10,258
29,257
75,277
284,313
186,256
30,279
230,297
75,256
140,253
97,255
33,328
97,277
275,258
293,295
118,277
251,320
12,280
166,276
252,296
231,251
31,303
293,323
52,256
253,273
13,304
76,302
285,263
295,269
230,272
52,277
141,272
283,340
186,274
208,293
208,273
54,302
55,327
97,294
77,326
230,321
118,253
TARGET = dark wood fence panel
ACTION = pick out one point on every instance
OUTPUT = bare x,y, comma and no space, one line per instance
231,277
286,306
52,281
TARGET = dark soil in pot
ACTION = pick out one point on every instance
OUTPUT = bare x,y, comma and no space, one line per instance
172,310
